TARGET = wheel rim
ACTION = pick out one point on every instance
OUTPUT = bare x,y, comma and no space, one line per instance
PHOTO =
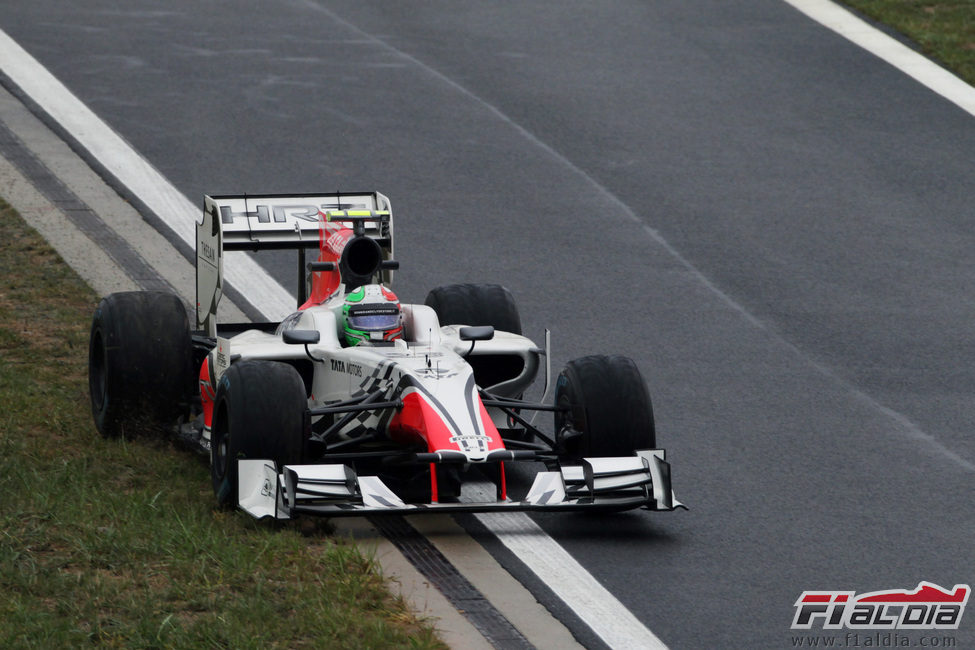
221,443
222,456
562,415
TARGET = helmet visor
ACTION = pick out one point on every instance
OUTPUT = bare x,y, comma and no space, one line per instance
371,318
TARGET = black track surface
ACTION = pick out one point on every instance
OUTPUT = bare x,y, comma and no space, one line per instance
775,224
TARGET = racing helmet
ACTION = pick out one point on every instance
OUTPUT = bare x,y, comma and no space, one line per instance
372,313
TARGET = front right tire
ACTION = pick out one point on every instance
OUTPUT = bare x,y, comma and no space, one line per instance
605,408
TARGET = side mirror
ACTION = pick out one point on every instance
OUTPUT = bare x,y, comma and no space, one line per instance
301,337
479,333
473,334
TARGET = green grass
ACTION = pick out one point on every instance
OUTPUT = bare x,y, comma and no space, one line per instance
944,30
118,543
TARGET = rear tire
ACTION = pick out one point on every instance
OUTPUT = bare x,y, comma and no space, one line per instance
475,304
608,404
259,412
140,358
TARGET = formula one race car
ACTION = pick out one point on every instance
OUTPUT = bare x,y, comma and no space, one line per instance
357,404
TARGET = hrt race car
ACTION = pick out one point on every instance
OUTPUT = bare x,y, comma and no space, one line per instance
357,404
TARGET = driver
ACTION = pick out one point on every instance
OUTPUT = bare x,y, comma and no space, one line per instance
372,314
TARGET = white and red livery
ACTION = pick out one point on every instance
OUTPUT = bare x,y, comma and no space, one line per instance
297,420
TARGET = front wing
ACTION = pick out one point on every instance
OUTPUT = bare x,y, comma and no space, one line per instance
620,483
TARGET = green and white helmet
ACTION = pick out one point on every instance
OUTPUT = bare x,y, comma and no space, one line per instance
372,313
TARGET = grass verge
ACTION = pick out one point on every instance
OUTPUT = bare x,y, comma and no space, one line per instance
118,543
944,29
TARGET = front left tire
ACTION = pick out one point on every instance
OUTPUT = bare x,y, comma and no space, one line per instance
259,412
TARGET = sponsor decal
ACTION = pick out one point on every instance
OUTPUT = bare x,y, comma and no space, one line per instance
221,358
436,373
279,213
353,369
928,607
472,443
266,488
208,251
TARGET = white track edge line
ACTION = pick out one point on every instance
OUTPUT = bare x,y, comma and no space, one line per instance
921,69
596,606
133,171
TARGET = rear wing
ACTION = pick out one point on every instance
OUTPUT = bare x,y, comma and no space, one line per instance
276,222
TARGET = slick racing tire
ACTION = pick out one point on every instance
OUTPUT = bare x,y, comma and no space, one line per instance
140,358
475,304
606,402
259,412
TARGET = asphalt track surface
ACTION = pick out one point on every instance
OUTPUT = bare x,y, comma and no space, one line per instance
776,225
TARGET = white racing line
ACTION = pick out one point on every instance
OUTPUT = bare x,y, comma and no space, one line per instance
921,69
133,171
582,593
589,600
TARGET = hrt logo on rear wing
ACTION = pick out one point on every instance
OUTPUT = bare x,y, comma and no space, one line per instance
266,221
